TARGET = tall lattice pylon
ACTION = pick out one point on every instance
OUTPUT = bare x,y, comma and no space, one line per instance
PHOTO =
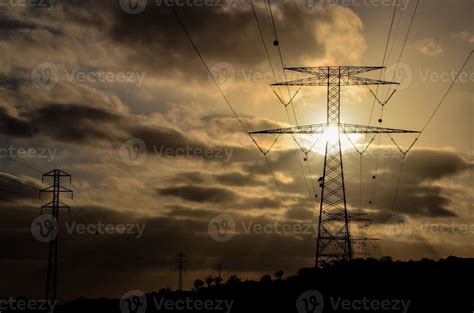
181,266
334,241
56,189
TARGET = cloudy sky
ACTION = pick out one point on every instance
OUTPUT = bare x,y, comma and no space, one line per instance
116,96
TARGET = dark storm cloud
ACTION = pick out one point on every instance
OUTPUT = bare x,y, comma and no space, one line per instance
222,35
8,24
17,188
228,123
237,179
180,211
432,164
219,195
200,194
74,123
10,83
420,192
13,126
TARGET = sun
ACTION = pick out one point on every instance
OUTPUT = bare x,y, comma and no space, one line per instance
331,134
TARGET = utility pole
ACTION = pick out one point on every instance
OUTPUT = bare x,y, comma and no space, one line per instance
334,241
181,262
56,189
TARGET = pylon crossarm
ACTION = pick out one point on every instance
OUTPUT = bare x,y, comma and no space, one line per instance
345,128
309,81
362,129
308,129
323,70
344,80
357,81
60,173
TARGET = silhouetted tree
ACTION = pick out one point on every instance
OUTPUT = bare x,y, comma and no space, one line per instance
279,275
266,279
209,280
198,284
233,279
217,280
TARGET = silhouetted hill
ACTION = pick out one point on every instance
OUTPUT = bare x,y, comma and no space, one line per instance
357,286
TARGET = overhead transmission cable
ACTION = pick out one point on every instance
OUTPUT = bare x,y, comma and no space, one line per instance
183,26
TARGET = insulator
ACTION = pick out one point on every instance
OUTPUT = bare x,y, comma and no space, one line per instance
275,43
380,120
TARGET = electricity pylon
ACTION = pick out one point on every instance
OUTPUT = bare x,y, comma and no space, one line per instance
334,238
56,189
181,261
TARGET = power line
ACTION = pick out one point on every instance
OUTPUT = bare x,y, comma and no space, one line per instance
219,89
446,93
263,42
421,132
23,164
290,102
383,61
372,202
405,42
